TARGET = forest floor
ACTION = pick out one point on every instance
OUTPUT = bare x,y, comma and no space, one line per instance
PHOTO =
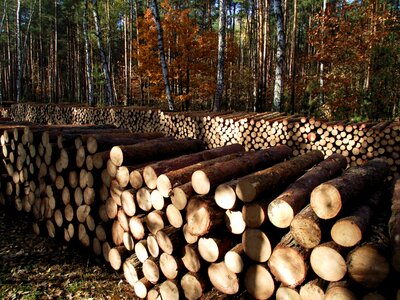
38,267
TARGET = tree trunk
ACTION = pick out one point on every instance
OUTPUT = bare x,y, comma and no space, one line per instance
280,55
88,62
221,55
164,67
103,56
19,53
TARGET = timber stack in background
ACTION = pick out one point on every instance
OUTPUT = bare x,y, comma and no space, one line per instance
180,220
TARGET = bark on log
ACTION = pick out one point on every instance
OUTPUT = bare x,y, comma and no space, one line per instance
306,228
394,226
153,171
210,177
253,185
331,197
282,210
147,151
167,181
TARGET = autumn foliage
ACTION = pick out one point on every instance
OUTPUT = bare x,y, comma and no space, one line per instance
346,39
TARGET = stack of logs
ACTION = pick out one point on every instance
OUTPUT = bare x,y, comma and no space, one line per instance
357,141
179,220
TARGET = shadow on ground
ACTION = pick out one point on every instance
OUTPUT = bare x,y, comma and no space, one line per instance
36,267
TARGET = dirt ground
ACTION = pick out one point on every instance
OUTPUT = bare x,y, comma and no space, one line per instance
36,267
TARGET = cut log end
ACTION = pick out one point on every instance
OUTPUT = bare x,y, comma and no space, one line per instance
225,196
332,269
259,282
164,185
223,279
116,156
256,245
346,233
280,213
326,201
200,182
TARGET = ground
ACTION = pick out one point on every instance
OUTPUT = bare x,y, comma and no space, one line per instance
38,267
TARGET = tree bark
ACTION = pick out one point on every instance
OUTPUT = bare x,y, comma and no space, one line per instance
280,55
103,56
164,67
19,52
88,62
221,55
394,226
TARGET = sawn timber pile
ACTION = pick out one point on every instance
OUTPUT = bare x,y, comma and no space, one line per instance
182,221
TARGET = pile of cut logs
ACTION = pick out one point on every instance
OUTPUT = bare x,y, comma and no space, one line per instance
182,221
357,141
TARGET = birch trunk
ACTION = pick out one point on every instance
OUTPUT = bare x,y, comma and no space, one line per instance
88,62
221,55
164,67
103,56
280,55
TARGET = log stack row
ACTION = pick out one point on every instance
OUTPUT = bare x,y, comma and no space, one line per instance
182,221
357,141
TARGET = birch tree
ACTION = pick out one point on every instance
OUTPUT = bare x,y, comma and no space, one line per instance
160,41
221,55
280,55
88,62
103,56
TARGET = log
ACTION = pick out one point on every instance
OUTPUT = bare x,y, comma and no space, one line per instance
253,185
306,228
116,256
141,251
128,202
181,194
212,249
169,290
339,290
287,293
131,269
152,246
193,286
394,225
210,177
191,258
147,151
223,279
174,216
349,231
155,221
141,287
153,171
332,269
313,290
329,198
136,226
234,221
170,266
168,239
282,210
259,282
234,259
202,215
256,245
151,270
288,261
167,181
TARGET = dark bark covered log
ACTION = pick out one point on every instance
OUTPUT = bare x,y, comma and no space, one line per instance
282,210
148,151
152,171
331,197
210,177
394,226
253,185
288,261
167,181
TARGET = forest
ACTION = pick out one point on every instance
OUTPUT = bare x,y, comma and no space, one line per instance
334,59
